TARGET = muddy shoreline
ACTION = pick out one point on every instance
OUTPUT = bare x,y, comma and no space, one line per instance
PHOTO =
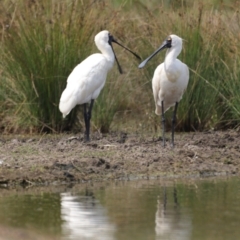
63,158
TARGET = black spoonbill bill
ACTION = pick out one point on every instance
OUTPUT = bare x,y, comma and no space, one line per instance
87,79
169,81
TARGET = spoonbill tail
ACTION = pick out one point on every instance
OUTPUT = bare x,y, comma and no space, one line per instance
87,79
169,81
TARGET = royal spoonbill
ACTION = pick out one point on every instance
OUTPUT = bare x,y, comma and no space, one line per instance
87,79
169,81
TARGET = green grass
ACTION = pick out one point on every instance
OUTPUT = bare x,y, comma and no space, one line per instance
42,41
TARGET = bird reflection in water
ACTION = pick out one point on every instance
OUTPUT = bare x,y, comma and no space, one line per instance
172,222
85,218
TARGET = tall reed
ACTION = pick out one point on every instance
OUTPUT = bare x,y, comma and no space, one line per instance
40,48
42,41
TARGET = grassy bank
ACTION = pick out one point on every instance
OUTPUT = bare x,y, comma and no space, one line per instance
42,41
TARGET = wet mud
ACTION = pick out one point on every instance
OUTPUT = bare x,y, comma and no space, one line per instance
60,159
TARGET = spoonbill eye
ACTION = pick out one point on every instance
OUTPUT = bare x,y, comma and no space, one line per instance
169,42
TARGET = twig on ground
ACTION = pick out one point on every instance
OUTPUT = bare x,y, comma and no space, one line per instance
76,167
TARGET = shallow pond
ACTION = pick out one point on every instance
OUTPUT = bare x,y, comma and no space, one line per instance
149,209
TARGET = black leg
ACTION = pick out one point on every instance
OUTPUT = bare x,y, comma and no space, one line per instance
85,115
163,125
87,118
174,122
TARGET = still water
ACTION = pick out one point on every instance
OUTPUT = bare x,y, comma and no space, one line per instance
150,209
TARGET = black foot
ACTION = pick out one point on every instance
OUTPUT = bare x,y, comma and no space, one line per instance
86,139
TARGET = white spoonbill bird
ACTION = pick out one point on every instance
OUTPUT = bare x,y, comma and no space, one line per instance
169,81
87,79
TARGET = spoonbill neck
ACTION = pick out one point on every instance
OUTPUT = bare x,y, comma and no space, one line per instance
172,54
171,64
108,54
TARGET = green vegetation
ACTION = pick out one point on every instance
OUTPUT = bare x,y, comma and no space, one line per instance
42,41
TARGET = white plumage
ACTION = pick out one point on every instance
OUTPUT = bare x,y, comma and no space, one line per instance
170,80
87,79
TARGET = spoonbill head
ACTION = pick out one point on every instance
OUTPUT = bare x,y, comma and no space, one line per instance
87,79
169,81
